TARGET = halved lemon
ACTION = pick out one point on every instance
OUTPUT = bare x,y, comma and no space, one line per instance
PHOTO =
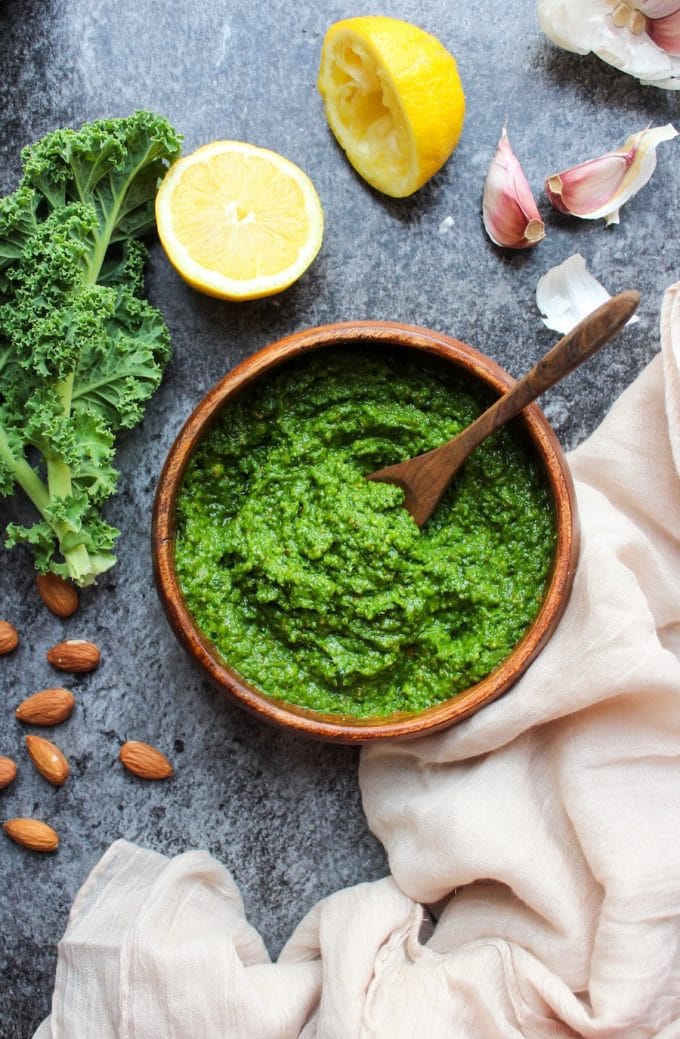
393,98
237,221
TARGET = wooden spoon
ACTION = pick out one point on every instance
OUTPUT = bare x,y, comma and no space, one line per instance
426,477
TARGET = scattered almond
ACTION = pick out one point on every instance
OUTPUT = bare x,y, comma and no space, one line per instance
145,761
48,759
9,638
48,707
8,772
59,596
75,655
32,833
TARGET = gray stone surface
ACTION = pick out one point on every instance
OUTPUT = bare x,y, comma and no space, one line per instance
284,815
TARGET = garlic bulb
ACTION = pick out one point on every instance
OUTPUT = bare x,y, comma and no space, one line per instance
568,293
600,187
511,217
621,32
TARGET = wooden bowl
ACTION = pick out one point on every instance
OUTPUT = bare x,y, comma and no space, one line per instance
334,727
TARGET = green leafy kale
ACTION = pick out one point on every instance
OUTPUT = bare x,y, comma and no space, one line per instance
81,350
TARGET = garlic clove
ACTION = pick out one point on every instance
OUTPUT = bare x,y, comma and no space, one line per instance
586,188
511,217
569,292
665,33
585,26
600,187
656,8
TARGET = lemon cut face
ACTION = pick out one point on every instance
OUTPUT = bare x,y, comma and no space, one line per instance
237,221
393,99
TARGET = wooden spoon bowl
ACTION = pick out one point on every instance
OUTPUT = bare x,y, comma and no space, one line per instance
338,728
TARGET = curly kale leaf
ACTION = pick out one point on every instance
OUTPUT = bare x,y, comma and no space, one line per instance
81,350
118,372
113,164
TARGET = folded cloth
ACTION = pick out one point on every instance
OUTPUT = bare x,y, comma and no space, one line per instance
543,833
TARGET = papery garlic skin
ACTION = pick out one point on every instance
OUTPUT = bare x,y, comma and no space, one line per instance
574,25
567,293
510,214
585,26
600,187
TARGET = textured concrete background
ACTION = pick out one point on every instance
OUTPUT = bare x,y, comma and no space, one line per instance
284,815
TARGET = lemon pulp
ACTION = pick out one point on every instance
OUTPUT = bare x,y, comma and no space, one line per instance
238,221
393,100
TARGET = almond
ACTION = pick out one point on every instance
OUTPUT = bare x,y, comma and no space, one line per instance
48,707
48,759
59,596
75,655
9,637
145,761
8,772
32,833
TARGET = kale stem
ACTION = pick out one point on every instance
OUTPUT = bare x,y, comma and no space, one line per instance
79,564
58,472
24,474
58,478
60,484
78,558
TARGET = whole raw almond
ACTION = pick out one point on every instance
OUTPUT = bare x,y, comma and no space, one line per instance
9,637
59,596
32,833
48,759
47,707
8,772
145,761
75,655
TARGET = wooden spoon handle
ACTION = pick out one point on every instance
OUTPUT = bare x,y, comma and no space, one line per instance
575,347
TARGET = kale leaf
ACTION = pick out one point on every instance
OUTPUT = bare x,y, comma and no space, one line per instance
81,350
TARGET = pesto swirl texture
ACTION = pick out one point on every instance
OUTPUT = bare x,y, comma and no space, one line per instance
314,583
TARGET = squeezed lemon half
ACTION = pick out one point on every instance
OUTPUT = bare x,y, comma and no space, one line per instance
393,99
237,221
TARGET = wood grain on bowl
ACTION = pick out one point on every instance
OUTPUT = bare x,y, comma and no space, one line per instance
334,727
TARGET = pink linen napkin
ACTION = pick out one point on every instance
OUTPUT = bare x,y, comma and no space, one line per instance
543,833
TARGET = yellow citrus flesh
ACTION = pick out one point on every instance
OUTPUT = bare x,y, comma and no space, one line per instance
393,98
237,221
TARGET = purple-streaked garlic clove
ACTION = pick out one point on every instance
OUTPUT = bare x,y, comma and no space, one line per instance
600,187
510,214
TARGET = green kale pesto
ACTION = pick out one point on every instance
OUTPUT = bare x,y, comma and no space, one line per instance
314,583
